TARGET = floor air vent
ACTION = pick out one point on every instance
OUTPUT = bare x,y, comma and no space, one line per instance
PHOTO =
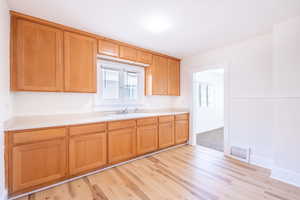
240,153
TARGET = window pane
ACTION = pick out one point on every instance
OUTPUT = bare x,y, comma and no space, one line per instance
131,85
111,80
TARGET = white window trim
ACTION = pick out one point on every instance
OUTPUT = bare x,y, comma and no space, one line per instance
99,101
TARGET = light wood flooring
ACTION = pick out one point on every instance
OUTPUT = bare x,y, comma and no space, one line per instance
186,172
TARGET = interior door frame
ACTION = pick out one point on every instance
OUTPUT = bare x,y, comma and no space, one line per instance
195,69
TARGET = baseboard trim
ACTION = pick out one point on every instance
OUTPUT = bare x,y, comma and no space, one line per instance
286,176
95,172
280,174
4,195
261,161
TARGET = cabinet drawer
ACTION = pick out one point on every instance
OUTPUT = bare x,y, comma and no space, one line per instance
89,128
181,116
121,124
38,135
147,121
167,118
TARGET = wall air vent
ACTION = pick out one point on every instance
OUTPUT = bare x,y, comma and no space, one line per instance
239,153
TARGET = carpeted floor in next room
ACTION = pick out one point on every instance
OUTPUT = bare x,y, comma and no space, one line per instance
212,139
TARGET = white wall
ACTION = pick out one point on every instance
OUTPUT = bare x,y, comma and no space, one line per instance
250,106
207,118
38,103
5,98
287,104
264,96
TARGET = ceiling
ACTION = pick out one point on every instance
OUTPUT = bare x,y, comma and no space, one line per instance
191,26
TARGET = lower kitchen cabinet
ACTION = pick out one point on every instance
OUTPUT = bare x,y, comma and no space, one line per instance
121,144
181,131
40,157
166,134
147,139
38,163
87,152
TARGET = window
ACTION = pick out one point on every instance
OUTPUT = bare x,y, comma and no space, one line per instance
206,95
119,83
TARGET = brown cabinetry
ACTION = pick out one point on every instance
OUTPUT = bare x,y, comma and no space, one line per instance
181,131
50,57
173,77
40,157
108,48
37,160
128,53
87,152
166,131
147,135
163,77
121,140
121,144
144,57
37,53
80,63
159,75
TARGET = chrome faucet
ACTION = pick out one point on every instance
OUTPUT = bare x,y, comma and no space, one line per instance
124,110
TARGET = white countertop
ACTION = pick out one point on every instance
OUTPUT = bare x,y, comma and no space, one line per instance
43,121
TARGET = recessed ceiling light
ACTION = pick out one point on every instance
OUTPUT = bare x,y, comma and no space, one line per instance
156,24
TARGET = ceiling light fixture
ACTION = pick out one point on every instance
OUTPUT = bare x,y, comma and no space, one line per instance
156,24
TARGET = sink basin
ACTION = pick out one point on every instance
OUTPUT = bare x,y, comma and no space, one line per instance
128,114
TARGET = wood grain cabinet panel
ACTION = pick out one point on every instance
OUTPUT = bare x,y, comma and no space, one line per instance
108,48
173,77
159,70
87,152
121,145
37,63
166,134
38,163
128,53
147,139
144,57
80,63
181,131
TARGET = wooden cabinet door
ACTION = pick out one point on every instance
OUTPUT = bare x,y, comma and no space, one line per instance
173,77
128,53
108,48
37,57
181,131
121,144
87,152
159,75
166,135
147,139
80,63
38,163
144,57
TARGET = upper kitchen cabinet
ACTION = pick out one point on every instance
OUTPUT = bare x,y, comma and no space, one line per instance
36,57
158,73
128,53
163,77
108,48
144,57
80,63
50,57
173,77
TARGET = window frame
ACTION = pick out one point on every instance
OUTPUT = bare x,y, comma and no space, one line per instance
122,68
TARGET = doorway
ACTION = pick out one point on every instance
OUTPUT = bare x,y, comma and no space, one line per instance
208,108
